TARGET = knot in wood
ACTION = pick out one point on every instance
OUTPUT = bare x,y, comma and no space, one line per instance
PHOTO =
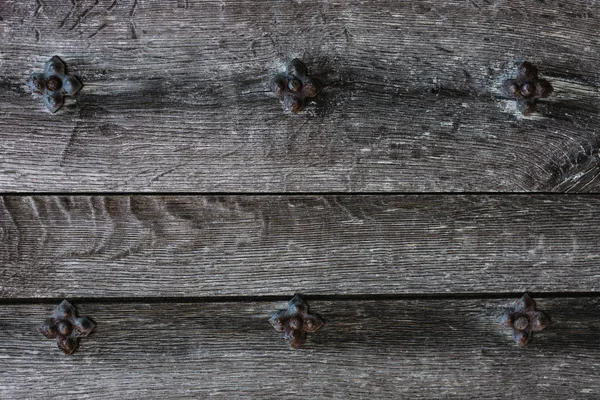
524,319
54,84
295,322
526,88
66,327
295,86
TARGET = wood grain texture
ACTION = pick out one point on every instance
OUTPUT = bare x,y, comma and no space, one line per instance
122,246
367,349
176,96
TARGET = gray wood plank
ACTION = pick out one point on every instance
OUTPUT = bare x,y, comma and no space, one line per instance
121,246
177,99
418,349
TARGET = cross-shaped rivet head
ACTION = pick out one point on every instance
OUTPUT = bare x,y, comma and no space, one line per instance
295,86
54,84
296,322
523,319
66,327
526,88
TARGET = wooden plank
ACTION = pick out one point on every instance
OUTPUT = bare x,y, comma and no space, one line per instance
177,98
418,349
122,246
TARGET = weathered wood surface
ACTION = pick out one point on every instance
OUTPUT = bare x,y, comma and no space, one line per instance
120,246
368,349
176,96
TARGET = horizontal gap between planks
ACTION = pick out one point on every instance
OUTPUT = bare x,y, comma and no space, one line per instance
332,297
267,194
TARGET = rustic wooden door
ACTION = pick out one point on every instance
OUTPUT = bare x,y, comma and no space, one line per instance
177,204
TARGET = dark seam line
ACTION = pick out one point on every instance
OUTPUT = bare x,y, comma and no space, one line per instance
267,194
332,297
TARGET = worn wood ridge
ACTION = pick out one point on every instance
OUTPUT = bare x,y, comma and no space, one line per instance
419,349
176,96
198,246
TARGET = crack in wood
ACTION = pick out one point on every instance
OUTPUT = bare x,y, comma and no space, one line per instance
103,26
132,20
69,13
113,5
81,17
39,5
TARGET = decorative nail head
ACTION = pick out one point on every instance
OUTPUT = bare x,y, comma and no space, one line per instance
66,327
296,322
295,86
54,84
526,88
524,320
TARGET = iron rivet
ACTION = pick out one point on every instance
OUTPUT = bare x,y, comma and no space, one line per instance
296,322
54,84
66,327
523,319
295,86
526,88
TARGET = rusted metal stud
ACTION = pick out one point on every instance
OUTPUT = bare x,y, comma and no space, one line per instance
296,322
524,320
526,88
66,327
295,86
54,84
